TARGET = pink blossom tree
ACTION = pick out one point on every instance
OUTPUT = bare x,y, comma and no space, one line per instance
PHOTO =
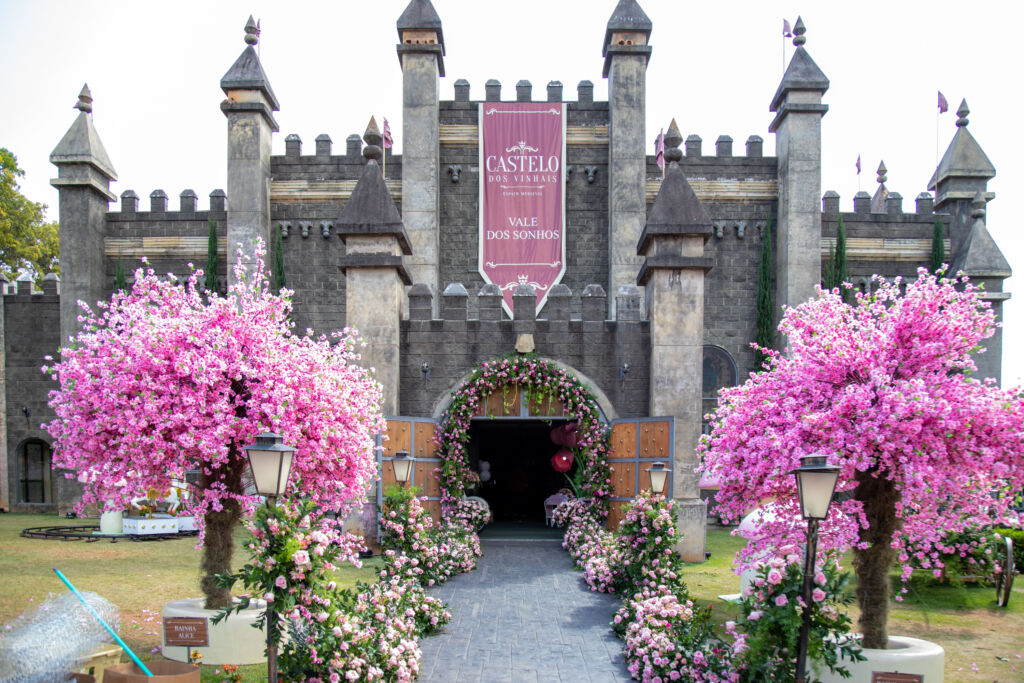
166,378
883,389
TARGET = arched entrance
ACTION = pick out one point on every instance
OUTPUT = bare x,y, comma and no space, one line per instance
493,436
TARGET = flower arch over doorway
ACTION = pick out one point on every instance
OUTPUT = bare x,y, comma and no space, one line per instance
542,382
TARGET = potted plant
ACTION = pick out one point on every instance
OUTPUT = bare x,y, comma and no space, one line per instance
882,387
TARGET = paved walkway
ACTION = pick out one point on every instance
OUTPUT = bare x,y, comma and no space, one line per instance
524,614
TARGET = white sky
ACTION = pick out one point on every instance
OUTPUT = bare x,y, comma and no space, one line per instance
154,71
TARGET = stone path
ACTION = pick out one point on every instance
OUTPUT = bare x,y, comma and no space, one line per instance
524,615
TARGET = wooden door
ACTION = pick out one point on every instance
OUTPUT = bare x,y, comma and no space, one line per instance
636,444
416,436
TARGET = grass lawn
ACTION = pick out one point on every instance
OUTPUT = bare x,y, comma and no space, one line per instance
962,618
140,577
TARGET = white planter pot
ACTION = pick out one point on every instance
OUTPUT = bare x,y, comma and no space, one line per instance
150,525
908,656
232,641
111,522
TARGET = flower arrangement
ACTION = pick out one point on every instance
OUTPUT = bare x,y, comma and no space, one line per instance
367,634
472,513
773,608
543,381
665,636
432,553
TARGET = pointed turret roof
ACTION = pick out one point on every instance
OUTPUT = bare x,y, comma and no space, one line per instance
247,72
979,255
420,14
878,200
371,210
81,144
676,209
964,156
802,73
628,16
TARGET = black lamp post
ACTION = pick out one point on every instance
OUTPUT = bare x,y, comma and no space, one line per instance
403,467
659,476
270,462
815,482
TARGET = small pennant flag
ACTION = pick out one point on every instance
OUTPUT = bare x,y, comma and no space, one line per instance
387,135
787,30
943,104
858,164
659,149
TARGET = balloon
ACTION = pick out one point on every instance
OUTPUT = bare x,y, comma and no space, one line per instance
484,466
485,475
557,436
562,460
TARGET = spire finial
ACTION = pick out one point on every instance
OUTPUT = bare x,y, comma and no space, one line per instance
881,173
84,103
372,138
798,32
978,206
252,32
961,114
673,138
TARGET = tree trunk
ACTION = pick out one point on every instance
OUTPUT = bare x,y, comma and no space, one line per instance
220,526
879,497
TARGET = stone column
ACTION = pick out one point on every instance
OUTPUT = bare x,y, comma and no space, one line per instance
626,55
83,180
797,128
672,245
249,109
421,54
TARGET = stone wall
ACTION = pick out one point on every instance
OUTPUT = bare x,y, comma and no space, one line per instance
455,344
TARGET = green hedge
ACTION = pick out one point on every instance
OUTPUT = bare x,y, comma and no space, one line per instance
1018,545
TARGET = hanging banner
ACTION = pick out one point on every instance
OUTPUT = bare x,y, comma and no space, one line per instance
522,196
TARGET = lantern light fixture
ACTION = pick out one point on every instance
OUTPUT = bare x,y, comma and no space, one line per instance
402,464
271,462
659,477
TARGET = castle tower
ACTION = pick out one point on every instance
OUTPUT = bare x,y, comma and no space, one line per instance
797,127
626,52
963,172
672,244
83,180
249,109
375,243
421,54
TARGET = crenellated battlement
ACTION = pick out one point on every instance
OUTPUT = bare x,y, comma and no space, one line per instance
323,165
471,328
24,289
188,207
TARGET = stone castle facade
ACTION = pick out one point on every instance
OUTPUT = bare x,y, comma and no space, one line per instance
657,307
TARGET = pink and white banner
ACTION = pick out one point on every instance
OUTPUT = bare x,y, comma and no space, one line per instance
522,196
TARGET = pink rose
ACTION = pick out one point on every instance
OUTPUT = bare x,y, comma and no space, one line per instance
781,601
775,577
281,582
818,595
269,597
300,558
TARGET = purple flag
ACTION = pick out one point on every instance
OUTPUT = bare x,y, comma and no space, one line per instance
858,164
659,149
387,135
943,104
787,31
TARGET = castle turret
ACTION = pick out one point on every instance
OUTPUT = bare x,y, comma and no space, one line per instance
83,180
626,52
878,199
797,127
963,172
421,54
984,263
375,242
672,247
249,109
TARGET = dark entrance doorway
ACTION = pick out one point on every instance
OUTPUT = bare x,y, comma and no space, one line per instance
519,453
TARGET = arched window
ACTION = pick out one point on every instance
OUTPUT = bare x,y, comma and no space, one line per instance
35,484
719,372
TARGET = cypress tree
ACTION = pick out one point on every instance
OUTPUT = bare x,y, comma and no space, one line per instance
211,258
120,282
828,275
765,306
839,268
938,247
279,283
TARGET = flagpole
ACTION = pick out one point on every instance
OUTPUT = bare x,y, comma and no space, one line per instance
384,158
